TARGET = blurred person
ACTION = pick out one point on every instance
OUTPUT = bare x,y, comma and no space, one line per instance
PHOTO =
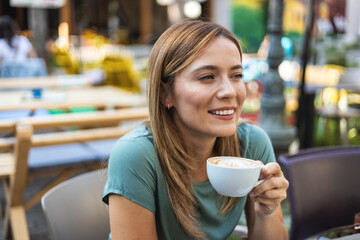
157,185
337,15
12,45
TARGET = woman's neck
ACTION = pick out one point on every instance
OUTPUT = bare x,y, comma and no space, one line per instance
200,152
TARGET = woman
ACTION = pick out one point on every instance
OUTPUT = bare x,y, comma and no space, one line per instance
13,46
157,185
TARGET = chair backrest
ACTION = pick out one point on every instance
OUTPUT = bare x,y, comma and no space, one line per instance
74,209
84,144
324,189
32,67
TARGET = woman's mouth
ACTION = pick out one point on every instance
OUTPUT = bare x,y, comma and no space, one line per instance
223,112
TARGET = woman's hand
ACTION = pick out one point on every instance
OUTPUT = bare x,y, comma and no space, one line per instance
269,194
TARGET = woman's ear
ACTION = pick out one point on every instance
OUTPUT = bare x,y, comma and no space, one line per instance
168,102
166,97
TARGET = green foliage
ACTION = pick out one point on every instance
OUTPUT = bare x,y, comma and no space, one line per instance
327,132
354,131
249,25
335,56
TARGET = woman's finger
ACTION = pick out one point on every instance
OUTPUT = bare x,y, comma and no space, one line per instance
271,183
269,202
271,169
273,194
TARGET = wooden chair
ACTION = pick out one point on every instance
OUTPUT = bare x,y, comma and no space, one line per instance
59,146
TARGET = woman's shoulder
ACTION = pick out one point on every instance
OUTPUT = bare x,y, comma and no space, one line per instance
136,147
139,133
251,132
132,168
138,138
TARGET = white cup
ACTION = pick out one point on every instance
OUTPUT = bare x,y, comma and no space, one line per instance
233,176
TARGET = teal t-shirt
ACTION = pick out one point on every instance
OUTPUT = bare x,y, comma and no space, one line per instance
134,172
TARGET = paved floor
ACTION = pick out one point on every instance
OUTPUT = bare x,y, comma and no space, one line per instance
38,229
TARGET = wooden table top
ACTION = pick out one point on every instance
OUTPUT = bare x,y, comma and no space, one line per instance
60,81
97,97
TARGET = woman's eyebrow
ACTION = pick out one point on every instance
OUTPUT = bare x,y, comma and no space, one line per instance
236,67
212,67
206,67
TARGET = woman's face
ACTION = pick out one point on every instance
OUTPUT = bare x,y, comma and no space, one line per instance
209,93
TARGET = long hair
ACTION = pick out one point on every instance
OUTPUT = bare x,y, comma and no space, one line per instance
8,29
175,49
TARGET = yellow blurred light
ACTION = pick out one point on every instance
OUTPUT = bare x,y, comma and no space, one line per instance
192,9
328,75
289,70
352,133
343,100
291,105
165,2
63,36
330,96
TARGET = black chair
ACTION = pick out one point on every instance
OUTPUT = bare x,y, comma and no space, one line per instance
324,189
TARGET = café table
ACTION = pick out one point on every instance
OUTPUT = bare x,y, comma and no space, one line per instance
349,232
101,97
56,81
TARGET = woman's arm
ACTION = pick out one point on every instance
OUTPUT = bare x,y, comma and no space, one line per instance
263,210
129,220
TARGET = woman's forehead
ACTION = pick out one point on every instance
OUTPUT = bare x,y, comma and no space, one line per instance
218,51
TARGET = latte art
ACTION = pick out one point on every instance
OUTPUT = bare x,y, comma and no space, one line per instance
233,162
242,173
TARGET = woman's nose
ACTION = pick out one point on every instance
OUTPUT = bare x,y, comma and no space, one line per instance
226,89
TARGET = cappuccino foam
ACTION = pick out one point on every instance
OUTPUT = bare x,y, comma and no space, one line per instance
233,162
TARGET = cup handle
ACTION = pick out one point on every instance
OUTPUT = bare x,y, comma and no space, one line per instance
259,182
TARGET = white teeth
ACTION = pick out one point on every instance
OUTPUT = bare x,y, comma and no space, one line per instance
223,112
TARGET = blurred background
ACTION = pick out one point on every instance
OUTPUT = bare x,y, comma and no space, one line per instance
301,57
110,40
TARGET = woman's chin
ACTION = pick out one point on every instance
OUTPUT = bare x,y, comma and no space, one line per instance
226,132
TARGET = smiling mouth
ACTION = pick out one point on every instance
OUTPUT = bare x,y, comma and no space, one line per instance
223,112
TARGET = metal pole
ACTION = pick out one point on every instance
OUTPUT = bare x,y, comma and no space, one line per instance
305,112
272,116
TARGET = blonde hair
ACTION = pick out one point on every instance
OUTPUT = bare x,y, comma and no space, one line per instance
176,48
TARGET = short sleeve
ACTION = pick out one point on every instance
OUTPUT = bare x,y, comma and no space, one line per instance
131,172
258,145
25,44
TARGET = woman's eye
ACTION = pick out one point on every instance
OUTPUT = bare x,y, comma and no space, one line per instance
239,75
206,77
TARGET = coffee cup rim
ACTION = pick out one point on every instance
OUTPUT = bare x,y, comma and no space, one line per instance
259,165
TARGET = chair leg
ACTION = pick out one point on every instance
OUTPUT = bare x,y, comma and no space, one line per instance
18,222
6,227
1,209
